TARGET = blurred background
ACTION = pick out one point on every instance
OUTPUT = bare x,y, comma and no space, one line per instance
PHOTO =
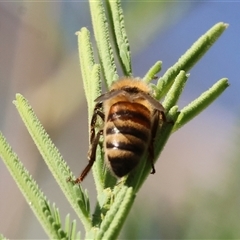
195,192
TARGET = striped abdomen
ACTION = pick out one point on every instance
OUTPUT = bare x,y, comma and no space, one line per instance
127,135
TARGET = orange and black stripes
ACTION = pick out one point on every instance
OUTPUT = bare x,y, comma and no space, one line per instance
142,134
135,112
127,135
131,118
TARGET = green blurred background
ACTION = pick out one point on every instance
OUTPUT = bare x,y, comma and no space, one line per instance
195,192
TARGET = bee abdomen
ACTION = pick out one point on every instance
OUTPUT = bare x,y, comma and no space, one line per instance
142,134
121,166
127,135
135,149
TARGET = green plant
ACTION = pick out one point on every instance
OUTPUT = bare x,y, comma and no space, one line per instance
113,200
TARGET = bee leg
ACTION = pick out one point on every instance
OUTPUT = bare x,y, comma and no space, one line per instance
151,157
158,116
153,133
97,112
91,158
94,139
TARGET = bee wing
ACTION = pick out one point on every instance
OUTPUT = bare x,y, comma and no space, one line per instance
157,105
108,95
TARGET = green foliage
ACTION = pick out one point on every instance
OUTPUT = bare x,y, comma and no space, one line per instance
101,34
120,36
2,237
89,69
189,59
48,216
151,74
114,201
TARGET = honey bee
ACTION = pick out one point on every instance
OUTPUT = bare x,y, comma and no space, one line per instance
131,118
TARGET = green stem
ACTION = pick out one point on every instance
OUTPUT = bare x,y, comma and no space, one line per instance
199,104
